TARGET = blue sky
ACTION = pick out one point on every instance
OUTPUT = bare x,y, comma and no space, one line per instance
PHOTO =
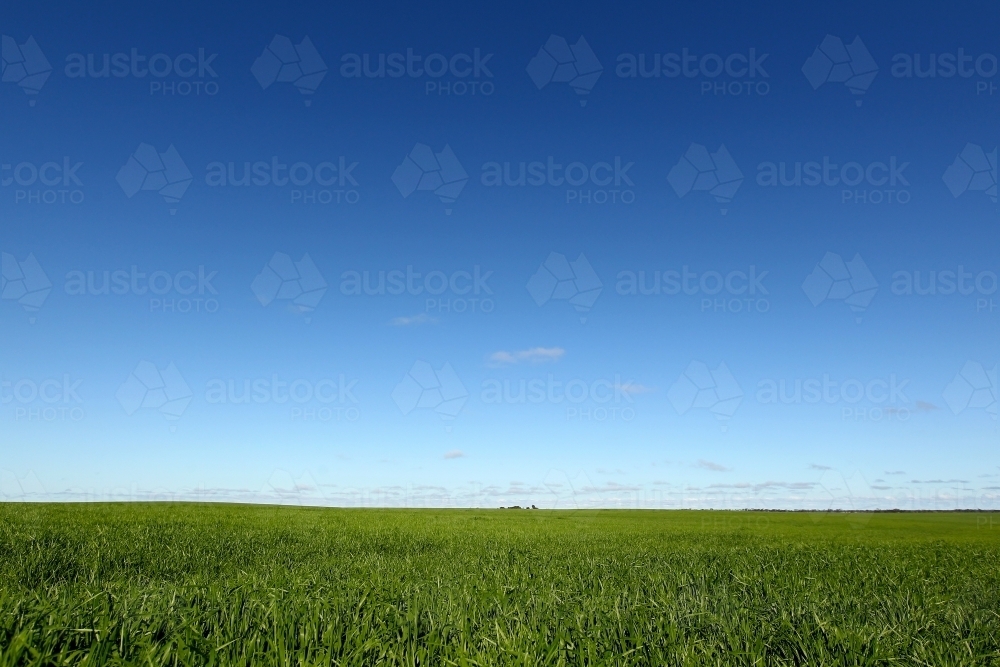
682,398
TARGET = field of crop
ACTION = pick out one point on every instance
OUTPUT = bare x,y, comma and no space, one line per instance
188,584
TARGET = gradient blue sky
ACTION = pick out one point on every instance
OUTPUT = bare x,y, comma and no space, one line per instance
916,451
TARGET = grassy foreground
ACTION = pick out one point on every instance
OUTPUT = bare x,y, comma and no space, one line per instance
187,584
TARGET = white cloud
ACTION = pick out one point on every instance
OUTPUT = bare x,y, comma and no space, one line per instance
633,388
415,320
610,487
454,454
534,355
710,465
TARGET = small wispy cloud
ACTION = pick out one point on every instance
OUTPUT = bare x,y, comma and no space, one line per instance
535,355
795,486
711,465
610,487
816,466
920,407
634,388
895,472
454,454
412,321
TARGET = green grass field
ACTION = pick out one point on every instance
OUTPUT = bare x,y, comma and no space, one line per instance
188,584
